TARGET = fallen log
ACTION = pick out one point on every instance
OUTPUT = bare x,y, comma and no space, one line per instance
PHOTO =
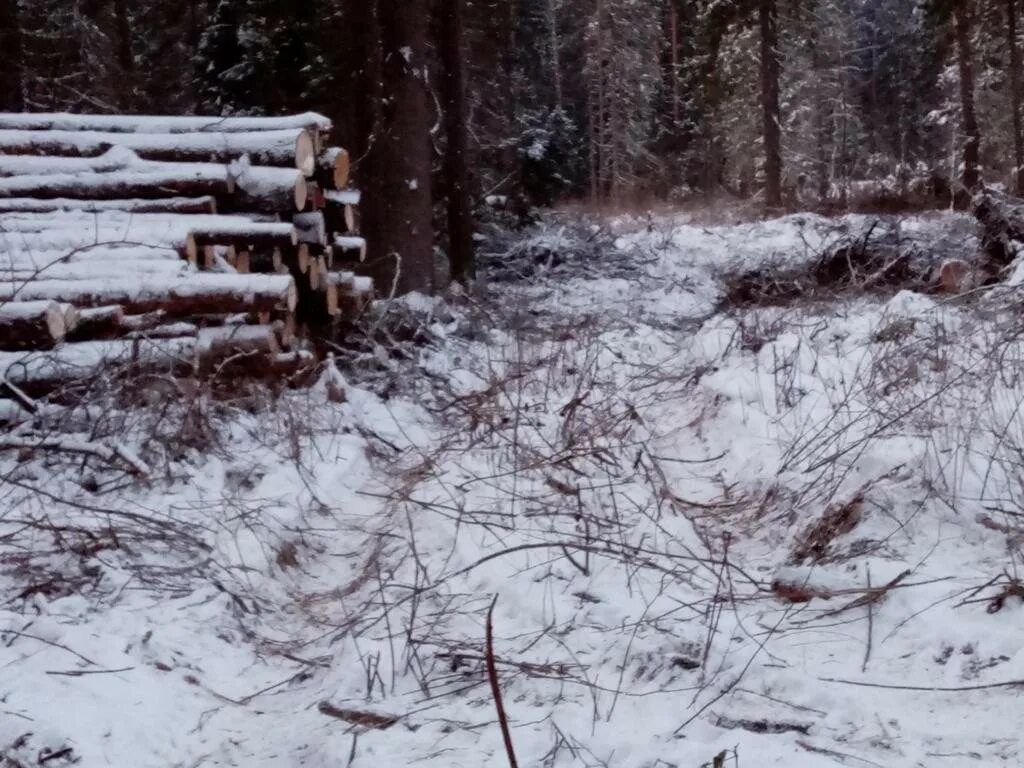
292,147
34,324
191,294
55,121
69,445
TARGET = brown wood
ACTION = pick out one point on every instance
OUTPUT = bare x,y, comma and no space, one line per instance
1015,94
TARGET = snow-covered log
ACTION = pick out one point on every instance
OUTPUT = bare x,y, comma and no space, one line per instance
186,295
97,323
193,205
216,346
351,245
332,168
276,190
292,147
41,372
311,228
55,121
33,324
242,235
93,269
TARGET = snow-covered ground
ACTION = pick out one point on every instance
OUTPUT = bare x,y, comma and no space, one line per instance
789,534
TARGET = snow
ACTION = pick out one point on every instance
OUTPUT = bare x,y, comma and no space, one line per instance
627,464
160,124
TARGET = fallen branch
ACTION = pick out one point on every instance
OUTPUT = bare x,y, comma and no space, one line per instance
65,445
492,676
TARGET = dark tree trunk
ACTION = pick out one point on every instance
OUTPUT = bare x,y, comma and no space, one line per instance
770,103
1015,97
399,185
456,171
972,143
11,96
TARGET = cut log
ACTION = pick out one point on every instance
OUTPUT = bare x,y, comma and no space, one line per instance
190,180
161,124
310,228
350,245
347,294
194,205
188,295
293,147
1002,221
343,196
332,169
97,323
33,324
267,189
42,372
217,348
242,235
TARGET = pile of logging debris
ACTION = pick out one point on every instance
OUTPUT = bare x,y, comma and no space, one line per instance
184,245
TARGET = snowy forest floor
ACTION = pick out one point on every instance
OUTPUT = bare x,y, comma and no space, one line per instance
788,532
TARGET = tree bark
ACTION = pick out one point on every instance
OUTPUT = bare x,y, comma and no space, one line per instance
965,56
771,112
11,57
1015,95
456,170
400,187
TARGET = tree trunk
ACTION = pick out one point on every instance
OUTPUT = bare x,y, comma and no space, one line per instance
972,143
771,113
456,171
11,57
399,189
1015,95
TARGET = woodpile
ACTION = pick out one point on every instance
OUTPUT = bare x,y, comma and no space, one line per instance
181,245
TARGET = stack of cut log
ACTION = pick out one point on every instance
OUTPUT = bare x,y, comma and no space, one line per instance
175,244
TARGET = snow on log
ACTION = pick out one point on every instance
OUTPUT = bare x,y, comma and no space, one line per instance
68,445
218,346
332,168
357,244
32,324
241,234
347,294
191,294
41,372
194,205
268,189
292,147
54,121
311,228
189,180
97,323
